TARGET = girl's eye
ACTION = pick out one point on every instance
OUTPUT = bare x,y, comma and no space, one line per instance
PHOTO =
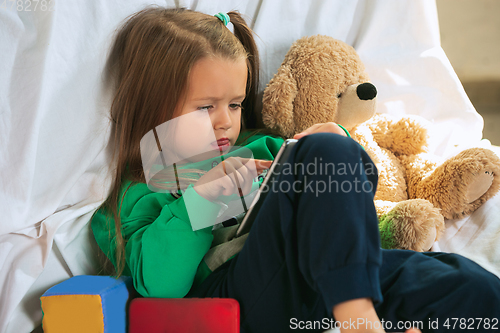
235,106
206,107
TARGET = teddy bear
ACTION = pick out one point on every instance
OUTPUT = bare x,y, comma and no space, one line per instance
324,80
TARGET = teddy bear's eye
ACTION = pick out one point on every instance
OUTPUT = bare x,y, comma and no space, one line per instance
339,95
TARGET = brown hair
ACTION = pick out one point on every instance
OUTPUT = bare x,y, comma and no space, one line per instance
148,65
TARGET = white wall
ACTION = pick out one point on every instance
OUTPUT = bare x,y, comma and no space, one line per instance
470,36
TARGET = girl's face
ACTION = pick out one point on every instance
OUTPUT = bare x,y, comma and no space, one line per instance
208,117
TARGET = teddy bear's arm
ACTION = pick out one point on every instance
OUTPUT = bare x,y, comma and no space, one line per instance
402,137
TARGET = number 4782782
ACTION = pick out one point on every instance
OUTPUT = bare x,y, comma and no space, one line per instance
471,323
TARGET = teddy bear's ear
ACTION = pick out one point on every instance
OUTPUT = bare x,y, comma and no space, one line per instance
277,109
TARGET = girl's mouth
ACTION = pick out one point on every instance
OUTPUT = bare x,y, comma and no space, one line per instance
222,144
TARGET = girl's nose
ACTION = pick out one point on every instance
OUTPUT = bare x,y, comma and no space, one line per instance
222,118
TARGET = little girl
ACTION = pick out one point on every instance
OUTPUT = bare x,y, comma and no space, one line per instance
310,256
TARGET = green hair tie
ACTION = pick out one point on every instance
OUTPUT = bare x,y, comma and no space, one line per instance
223,17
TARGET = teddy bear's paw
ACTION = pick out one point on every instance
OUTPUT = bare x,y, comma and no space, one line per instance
479,185
463,183
411,225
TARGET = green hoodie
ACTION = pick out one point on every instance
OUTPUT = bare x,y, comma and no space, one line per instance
163,254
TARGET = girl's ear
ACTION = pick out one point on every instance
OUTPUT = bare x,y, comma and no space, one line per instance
277,108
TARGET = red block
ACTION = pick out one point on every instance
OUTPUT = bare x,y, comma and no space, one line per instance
183,315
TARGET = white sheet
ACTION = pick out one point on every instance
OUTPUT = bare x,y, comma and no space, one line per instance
54,130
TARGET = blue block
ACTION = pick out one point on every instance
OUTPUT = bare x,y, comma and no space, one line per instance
96,301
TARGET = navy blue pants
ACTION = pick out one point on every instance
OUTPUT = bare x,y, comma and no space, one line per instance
315,243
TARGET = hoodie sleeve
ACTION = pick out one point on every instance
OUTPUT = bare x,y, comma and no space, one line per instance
162,251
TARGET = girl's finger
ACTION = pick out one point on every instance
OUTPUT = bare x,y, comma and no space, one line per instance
249,171
254,166
261,165
308,131
329,127
238,173
228,185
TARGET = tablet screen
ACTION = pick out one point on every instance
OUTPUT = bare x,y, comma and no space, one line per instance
273,172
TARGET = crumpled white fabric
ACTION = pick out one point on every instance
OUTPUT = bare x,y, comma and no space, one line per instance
54,167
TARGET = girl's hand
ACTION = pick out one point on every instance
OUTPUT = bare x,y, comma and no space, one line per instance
321,128
233,176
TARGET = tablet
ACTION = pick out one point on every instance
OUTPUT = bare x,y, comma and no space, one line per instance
259,198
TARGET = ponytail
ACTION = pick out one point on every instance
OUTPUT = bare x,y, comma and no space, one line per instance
245,36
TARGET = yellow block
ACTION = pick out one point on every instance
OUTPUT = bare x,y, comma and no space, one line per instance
72,313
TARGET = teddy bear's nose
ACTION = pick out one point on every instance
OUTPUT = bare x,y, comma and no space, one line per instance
366,91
